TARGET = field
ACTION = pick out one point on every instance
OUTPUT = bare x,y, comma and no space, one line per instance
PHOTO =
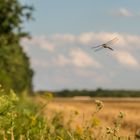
42,117
85,107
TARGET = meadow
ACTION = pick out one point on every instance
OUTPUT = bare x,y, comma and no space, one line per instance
85,107
43,117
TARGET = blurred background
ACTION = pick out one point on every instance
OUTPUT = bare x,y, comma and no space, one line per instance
62,36
46,47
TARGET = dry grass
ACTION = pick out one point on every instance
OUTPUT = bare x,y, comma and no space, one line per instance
112,107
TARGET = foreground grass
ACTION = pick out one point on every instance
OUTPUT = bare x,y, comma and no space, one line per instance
22,119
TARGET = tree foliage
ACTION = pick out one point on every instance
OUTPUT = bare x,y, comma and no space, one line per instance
15,71
96,93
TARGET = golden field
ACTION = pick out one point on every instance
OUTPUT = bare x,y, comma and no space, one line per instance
84,107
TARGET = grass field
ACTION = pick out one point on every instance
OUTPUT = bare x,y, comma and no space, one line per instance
112,106
81,118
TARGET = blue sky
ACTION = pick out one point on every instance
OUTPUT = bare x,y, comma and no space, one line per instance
64,32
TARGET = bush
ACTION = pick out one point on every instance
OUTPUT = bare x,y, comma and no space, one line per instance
15,70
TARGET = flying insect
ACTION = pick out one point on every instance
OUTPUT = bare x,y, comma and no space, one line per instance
106,45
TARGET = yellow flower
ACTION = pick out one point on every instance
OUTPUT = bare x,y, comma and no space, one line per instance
95,121
49,95
33,120
79,130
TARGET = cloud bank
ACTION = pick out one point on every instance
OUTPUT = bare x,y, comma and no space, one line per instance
69,58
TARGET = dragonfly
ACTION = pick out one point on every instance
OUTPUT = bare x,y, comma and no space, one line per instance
106,45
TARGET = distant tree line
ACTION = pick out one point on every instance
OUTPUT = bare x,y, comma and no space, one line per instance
96,93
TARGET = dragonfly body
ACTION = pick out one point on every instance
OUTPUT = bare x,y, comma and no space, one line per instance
106,46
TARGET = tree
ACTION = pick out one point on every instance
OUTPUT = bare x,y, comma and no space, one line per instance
15,71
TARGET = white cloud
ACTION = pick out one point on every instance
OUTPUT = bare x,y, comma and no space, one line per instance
25,48
39,63
81,59
72,61
25,44
124,40
60,60
44,43
86,38
40,41
75,57
93,39
133,41
122,12
126,58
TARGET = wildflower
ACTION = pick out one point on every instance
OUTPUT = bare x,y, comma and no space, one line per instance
13,96
95,121
109,130
119,119
33,120
79,130
49,95
121,115
99,104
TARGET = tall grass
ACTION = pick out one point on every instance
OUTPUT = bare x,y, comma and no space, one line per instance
22,119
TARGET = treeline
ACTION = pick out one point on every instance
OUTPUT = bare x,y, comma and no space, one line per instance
96,93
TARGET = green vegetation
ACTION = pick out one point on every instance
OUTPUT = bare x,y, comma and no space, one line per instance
97,93
22,119
19,118
15,71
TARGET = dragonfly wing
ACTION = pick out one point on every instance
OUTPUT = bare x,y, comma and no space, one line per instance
97,46
112,41
99,49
